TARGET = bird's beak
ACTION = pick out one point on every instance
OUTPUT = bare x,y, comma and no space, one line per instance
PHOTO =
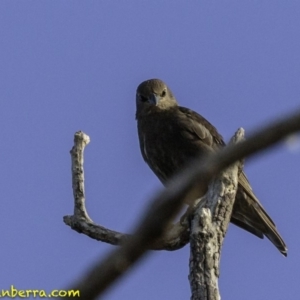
154,99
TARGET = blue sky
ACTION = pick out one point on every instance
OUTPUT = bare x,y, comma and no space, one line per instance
75,65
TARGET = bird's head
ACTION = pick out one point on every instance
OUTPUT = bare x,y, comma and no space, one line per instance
154,93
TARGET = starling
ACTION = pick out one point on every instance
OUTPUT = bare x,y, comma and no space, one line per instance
171,135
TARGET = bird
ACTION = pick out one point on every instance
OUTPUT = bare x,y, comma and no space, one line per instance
171,135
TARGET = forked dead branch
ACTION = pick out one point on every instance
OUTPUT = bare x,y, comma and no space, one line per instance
149,233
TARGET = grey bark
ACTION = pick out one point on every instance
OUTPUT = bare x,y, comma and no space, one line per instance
175,237
209,224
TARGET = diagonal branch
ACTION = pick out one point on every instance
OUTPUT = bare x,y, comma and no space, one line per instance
166,204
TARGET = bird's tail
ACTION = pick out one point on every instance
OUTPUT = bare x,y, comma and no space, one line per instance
249,214
270,230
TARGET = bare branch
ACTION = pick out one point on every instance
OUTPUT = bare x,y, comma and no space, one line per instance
209,224
166,204
176,235
80,141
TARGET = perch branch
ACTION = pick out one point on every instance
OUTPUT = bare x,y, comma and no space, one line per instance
209,224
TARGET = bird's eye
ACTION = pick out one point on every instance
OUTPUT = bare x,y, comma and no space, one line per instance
143,98
164,92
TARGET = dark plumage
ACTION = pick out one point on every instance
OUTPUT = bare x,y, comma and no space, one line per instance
171,135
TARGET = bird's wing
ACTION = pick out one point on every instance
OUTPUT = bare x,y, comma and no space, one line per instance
194,126
248,213
142,144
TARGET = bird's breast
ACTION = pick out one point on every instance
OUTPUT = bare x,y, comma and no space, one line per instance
163,146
